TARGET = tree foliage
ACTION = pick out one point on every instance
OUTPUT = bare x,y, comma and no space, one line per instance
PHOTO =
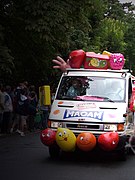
33,32
110,36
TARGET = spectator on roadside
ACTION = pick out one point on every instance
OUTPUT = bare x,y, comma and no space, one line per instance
32,88
8,109
1,105
16,116
45,113
22,110
32,109
25,84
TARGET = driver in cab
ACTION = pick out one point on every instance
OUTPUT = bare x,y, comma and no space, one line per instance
75,88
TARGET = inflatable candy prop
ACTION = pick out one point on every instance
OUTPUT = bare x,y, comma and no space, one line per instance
116,60
96,61
108,141
91,60
48,136
76,58
65,139
86,141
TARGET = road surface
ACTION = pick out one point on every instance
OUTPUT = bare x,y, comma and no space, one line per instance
26,158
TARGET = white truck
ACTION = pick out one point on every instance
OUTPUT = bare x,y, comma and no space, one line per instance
102,105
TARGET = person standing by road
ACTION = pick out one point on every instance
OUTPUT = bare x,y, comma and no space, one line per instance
22,110
1,106
45,113
32,110
16,117
8,109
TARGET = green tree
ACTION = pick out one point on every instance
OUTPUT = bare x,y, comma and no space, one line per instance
59,27
115,10
110,35
6,57
33,32
130,40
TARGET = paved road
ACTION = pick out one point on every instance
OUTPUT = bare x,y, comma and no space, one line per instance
26,158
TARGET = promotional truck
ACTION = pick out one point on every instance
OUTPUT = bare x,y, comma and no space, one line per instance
95,100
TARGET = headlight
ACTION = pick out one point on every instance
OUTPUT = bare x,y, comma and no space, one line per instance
110,127
56,124
120,127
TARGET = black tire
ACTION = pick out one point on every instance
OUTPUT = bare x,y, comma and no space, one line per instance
54,151
122,150
122,154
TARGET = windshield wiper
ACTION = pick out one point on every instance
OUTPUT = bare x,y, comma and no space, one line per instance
96,98
108,99
103,97
87,98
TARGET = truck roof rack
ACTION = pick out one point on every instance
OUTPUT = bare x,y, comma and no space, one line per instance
99,70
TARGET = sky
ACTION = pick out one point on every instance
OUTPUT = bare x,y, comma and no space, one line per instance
123,1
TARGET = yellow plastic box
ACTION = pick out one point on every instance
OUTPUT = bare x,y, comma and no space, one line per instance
44,95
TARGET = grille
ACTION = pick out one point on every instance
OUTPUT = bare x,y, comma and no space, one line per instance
84,126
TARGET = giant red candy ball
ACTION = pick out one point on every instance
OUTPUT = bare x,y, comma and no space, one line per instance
108,141
48,136
76,58
86,141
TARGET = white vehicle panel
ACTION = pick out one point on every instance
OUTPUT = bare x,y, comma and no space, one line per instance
88,111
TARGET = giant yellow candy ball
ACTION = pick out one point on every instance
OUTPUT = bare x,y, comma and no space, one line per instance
65,139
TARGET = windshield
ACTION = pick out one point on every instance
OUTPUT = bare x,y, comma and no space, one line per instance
92,88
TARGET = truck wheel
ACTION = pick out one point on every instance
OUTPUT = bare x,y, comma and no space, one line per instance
54,151
122,154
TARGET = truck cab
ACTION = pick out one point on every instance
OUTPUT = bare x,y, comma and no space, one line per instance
98,104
